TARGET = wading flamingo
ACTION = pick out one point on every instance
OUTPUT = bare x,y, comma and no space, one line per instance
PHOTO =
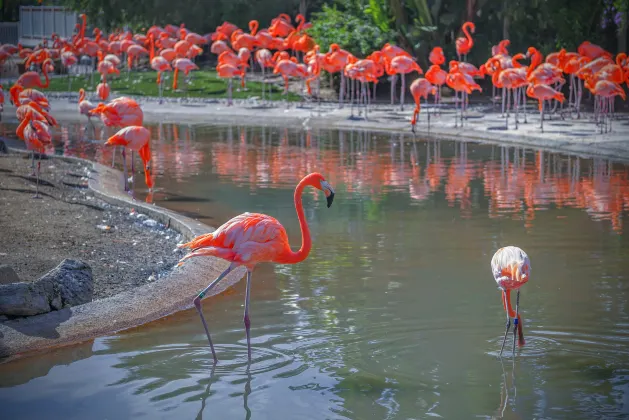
136,138
252,238
120,112
85,106
421,88
31,79
102,90
511,268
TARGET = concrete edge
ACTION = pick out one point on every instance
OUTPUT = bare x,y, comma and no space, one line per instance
167,295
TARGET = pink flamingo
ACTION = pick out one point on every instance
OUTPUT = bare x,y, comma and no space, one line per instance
511,268
253,238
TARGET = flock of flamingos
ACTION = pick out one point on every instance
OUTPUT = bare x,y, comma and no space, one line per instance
249,239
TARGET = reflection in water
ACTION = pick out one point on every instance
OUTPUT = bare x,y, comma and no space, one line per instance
518,182
395,313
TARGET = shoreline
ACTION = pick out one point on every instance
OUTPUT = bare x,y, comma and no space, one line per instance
170,293
578,137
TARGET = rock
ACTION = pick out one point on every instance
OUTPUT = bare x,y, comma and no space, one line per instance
23,299
7,275
72,282
68,284
149,223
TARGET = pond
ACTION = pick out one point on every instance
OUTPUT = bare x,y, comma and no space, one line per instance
395,314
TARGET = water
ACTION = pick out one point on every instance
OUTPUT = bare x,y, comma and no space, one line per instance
395,313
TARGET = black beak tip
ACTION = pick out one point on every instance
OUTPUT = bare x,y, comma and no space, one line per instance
330,198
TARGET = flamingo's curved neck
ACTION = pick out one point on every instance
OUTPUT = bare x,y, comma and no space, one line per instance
83,25
306,242
81,96
497,71
45,71
535,61
467,33
152,52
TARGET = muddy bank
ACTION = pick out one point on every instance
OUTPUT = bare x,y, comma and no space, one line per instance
138,303
124,249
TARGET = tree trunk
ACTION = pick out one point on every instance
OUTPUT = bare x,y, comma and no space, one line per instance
470,10
303,6
622,34
505,20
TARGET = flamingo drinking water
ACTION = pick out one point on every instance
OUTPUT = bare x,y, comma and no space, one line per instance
511,268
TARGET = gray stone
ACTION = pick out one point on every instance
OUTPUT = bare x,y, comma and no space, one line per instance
71,282
7,275
23,299
68,284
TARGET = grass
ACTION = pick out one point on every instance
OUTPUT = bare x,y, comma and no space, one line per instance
203,84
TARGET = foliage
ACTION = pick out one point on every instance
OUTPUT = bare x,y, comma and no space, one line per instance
350,28
362,26
203,84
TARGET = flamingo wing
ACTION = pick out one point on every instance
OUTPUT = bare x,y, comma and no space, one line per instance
248,238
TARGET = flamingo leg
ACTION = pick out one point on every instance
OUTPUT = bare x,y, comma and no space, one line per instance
229,94
197,304
504,340
124,173
246,319
517,324
507,117
132,166
402,91
524,103
113,157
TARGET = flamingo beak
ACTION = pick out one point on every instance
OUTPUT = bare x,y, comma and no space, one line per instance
328,191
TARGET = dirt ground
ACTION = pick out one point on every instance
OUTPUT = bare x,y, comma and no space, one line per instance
124,249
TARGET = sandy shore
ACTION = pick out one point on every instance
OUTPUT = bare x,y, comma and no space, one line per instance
124,249
483,124
137,305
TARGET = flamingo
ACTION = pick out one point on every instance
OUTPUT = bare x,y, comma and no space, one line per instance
421,88
136,138
253,238
31,79
436,76
607,90
543,92
102,89
160,65
229,71
403,64
21,96
120,112
36,135
68,59
85,106
464,45
185,65
265,60
511,268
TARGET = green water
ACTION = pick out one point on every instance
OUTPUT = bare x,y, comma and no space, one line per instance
395,314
